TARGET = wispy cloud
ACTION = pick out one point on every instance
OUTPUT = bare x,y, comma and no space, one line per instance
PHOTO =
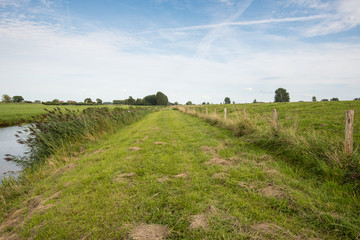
247,23
346,16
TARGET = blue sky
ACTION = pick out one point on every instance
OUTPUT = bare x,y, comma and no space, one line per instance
198,50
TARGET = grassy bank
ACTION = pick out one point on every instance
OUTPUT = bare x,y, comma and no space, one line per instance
18,113
174,176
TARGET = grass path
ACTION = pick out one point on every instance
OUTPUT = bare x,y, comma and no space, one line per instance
174,176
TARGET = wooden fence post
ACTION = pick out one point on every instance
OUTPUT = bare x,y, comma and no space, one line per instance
244,113
349,129
200,110
207,111
275,121
225,114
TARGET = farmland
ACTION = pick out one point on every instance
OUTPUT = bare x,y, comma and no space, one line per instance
15,113
176,176
327,118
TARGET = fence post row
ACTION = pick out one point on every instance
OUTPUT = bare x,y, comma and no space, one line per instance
349,129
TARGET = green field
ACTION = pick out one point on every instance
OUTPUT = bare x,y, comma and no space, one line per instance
326,118
16,113
175,176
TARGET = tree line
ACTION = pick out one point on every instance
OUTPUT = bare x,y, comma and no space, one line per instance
155,99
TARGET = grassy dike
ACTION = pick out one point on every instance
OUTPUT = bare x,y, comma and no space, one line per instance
174,176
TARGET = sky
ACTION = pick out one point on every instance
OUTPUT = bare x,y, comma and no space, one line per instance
191,50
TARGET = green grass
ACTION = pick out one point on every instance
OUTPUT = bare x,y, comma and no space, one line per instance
16,113
326,118
85,194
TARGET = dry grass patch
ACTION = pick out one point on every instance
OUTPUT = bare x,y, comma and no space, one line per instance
181,175
270,231
163,179
210,150
160,143
134,148
149,232
273,191
219,161
199,221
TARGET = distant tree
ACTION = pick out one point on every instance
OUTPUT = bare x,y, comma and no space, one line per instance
37,101
208,103
254,101
233,102
130,101
99,101
324,100
161,99
56,101
150,100
334,99
204,103
314,99
176,103
227,100
6,98
87,100
118,102
281,95
17,99
189,103
356,99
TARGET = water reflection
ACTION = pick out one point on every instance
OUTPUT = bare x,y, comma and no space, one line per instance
8,145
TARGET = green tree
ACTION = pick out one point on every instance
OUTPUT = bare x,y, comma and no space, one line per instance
87,100
281,95
227,100
150,100
314,99
99,101
6,98
254,101
189,103
56,101
17,99
334,99
161,99
130,101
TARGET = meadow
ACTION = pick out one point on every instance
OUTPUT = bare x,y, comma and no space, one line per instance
326,118
18,113
174,176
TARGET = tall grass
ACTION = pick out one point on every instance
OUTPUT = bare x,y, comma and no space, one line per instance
315,152
62,128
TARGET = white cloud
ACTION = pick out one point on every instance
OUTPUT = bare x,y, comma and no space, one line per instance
13,3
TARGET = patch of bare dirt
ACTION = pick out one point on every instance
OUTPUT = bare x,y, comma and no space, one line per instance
273,191
163,179
149,232
271,172
259,231
210,150
160,143
219,161
181,175
199,221
134,148
9,237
